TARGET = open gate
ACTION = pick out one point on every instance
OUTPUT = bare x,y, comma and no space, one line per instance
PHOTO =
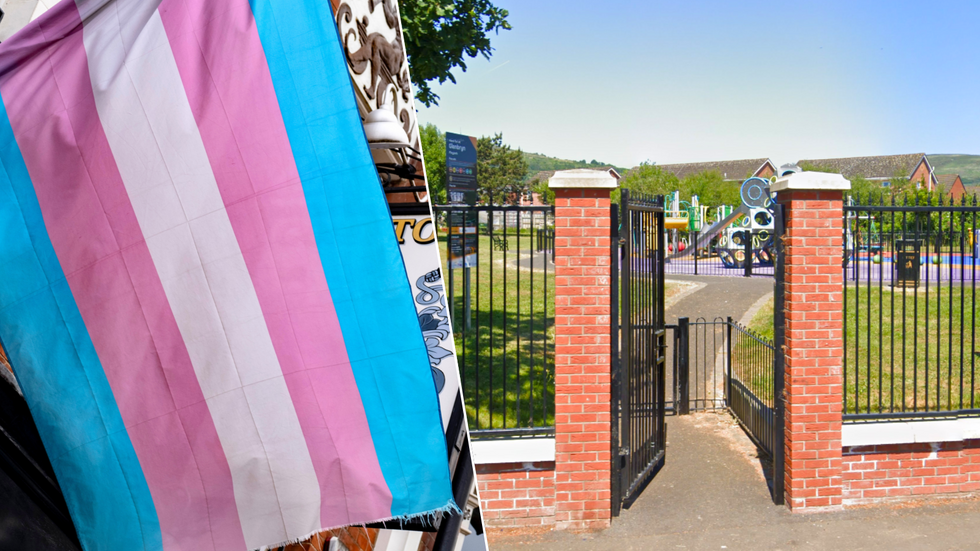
638,346
717,364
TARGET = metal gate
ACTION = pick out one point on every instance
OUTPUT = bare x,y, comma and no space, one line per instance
699,366
638,346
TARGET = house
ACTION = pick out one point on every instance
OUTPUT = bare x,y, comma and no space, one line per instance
734,171
882,168
952,185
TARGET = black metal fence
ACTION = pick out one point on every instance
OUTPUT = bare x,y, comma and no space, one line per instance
751,383
545,241
697,374
694,254
501,288
911,345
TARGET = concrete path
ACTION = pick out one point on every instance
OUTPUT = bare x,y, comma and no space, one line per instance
720,297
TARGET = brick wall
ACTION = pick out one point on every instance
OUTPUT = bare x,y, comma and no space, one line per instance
901,471
582,359
814,348
517,498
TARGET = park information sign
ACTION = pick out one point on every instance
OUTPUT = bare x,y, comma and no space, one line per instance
461,190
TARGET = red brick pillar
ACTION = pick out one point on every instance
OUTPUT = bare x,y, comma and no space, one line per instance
814,348
582,355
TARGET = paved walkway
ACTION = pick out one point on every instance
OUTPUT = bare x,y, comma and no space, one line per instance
720,297
711,493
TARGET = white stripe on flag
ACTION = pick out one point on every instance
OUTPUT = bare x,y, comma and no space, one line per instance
160,154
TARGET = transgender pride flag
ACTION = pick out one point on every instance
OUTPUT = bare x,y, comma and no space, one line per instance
202,295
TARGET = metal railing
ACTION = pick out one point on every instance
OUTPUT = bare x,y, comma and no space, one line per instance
751,383
545,241
721,364
911,347
501,295
697,376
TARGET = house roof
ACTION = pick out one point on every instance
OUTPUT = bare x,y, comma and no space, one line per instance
947,180
873,168
729,170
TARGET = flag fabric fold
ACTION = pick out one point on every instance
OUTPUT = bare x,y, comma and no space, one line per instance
204,301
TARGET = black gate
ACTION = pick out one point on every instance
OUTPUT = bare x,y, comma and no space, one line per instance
698,367
638,345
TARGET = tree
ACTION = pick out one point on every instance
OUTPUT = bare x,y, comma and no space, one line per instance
434,151
439,33
545,193
862,187
711,189
647,179
500,171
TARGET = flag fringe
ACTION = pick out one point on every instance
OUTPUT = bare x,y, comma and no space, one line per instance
427,518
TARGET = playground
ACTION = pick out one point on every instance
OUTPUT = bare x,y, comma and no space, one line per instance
724,239
910,248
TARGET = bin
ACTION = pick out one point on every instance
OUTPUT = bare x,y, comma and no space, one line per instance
907,261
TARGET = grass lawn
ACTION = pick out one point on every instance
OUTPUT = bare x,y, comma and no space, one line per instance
752,360
506,353
910,351
905,351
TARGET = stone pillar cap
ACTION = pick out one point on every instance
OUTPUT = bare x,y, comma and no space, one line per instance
583,178
811,181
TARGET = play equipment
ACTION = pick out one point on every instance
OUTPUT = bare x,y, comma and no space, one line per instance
752,221
681,215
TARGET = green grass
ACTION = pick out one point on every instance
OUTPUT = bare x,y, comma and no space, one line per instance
750,358
506,355
762,322
887,366
902,357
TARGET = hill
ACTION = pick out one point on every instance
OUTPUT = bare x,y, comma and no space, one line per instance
967,166
537,162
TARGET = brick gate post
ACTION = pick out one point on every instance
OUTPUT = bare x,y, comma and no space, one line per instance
582,355
813,352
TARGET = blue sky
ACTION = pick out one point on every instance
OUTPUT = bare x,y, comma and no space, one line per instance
628,81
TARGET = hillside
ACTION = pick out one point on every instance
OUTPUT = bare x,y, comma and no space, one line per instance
537,162
967,166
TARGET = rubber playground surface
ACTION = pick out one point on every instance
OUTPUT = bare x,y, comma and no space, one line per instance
944,268
713,265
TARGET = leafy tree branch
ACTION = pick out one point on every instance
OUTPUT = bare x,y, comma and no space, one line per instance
440,34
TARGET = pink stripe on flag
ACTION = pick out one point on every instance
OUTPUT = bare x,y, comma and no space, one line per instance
115,284
226,76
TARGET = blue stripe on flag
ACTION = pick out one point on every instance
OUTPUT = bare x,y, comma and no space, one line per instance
62,378
357,246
